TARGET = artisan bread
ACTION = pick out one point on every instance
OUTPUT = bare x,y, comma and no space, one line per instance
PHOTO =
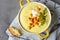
14,31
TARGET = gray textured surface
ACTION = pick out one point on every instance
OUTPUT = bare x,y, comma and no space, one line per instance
8,11
57,1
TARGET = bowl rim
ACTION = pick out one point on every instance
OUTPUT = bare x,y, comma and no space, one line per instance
40,4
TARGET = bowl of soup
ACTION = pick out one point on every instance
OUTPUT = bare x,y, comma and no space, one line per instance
34,17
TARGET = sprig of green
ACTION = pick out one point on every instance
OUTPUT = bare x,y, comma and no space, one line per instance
45,11
43,16
42,22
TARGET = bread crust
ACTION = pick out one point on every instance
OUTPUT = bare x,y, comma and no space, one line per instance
15,32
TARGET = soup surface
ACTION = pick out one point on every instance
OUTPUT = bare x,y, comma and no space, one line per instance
34,17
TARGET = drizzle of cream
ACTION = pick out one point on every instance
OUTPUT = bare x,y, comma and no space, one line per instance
34,13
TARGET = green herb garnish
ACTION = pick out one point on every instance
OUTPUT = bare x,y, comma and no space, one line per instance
43,16
45,11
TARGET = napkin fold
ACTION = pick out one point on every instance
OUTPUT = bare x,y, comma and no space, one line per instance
25,36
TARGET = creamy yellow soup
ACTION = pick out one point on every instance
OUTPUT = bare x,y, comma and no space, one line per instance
38,19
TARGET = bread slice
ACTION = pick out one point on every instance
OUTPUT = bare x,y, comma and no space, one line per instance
14,31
